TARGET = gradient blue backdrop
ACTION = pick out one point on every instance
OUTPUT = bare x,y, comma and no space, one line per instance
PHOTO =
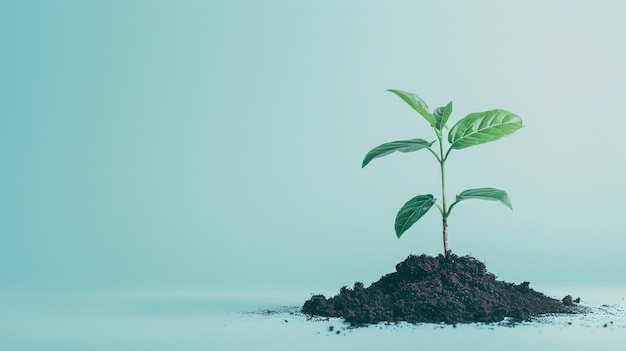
217,144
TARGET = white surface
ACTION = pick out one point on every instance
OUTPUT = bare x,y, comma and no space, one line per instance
200,321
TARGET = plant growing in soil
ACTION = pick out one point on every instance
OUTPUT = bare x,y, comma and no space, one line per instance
474,129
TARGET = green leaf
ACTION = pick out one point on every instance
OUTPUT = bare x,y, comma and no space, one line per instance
490,194
442,114
399,145
417,103
483,127
413,210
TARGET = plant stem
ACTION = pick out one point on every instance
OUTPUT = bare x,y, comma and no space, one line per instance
444,213
445,238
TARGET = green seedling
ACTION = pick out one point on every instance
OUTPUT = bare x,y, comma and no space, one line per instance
474,129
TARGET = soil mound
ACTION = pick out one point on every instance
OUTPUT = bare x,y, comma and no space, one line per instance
435,290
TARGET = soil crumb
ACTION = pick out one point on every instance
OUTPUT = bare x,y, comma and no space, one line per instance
456,289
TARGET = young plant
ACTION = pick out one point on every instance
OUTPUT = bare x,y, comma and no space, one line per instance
474,129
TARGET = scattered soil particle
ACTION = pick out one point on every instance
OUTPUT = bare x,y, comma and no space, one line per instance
577,300
456,289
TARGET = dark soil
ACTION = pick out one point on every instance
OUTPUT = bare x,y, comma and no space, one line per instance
437,290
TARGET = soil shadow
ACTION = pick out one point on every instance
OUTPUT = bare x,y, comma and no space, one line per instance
456,289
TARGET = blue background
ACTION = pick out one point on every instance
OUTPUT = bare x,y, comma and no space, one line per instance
216,145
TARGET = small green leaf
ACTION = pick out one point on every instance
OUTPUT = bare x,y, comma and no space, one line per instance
417,104
413,210
483,127
442,114
399,145
490,194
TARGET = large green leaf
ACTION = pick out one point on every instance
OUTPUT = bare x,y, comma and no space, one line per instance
483,127
417,103
442,114
490,194
399,145
413,210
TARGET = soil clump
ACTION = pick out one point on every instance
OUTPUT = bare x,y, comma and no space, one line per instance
453,289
